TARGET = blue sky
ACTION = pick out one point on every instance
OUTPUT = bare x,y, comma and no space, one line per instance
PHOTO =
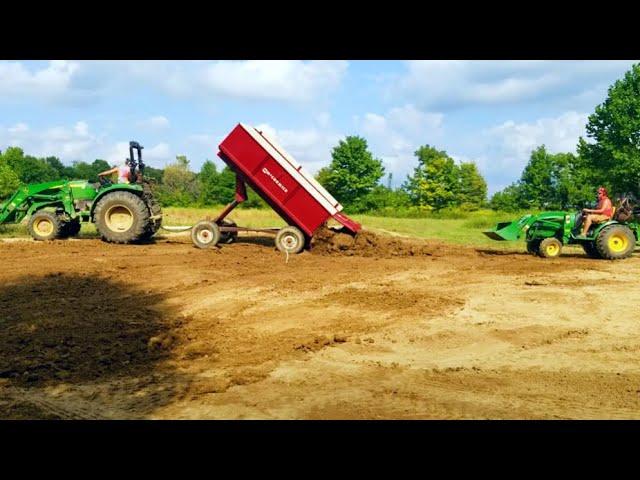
490,112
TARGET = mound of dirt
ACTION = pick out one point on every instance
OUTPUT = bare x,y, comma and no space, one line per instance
332,241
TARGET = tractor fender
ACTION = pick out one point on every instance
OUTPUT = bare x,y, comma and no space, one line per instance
601,226
135,189
633,227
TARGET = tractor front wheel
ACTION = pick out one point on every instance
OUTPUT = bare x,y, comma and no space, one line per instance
44,226
615,242
550,248
121,217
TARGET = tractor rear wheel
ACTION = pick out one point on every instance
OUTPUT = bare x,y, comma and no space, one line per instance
550,248
121,217
615,242
205,234
290,240
533,246
44,226
591,250
156,212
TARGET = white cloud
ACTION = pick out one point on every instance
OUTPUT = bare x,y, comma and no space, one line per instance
446,84
156,156
157,122
323,119
53,80
395,136
117,154
158,153
18,129
205,139
70,143
558,134
75,143
311,147
287,80
291,81
508,146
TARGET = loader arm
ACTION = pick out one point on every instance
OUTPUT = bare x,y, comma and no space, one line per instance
29,198
10,210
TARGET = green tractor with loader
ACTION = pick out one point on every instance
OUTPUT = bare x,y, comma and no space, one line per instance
548,232
121,212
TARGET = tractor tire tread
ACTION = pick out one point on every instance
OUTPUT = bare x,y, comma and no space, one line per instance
542,249
603,238
135,204
53,218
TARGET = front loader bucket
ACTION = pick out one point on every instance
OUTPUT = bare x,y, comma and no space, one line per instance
504,231
508,230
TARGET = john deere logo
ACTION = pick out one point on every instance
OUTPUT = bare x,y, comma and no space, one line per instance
275,180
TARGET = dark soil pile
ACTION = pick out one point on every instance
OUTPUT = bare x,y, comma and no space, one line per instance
332,241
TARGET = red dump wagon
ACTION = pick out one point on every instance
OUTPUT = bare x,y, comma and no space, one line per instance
258,161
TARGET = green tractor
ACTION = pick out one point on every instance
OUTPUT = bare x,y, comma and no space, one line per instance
122,213
546,233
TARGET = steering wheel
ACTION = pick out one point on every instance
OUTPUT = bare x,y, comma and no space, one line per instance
105,182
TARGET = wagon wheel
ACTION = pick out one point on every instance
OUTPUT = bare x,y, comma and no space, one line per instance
205,234
290,240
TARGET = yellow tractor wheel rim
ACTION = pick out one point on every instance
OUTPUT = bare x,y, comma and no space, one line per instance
44,227
618,243
119,218
553,250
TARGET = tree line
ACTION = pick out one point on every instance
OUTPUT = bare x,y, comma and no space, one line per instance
353,177
611,158
359,181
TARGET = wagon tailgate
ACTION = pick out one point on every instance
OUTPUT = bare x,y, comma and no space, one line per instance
351,225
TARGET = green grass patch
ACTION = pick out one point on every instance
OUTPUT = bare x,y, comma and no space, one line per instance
454,231
13,231
466,230
246,217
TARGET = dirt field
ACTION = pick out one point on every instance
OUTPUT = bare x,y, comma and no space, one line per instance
92,330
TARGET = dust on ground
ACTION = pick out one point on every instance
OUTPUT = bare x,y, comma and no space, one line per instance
379,328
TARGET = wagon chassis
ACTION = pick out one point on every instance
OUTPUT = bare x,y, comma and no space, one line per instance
208,233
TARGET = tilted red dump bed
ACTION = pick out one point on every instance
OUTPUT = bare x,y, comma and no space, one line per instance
274,175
